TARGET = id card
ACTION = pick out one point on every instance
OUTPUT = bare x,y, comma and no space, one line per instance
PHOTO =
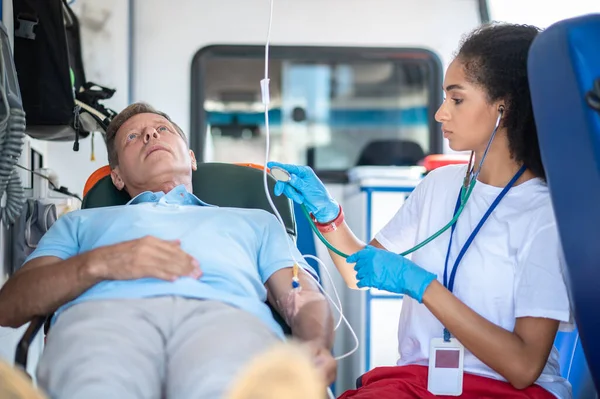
445,367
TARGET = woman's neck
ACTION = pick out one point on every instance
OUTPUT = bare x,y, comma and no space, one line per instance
499,167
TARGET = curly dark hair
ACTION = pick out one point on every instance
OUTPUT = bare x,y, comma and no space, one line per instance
494,57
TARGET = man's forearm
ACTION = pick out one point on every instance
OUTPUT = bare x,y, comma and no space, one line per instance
306,311
314,321
41,289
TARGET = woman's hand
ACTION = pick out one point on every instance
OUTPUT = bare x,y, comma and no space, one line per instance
391,272
305,188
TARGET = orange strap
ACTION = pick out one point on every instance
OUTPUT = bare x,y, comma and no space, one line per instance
252,165
95,178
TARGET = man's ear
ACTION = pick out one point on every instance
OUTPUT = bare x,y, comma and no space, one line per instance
116,179
193,158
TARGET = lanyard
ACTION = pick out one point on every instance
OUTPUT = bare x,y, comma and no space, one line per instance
450,284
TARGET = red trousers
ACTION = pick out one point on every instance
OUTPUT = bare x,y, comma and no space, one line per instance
410,382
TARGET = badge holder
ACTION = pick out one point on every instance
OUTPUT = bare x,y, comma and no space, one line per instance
445,367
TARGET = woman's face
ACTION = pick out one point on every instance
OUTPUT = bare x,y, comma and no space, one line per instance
467,117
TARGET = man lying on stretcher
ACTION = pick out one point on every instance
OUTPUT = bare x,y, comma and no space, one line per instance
164,296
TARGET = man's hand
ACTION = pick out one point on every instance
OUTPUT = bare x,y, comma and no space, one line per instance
311,323
144,257
56,281
323,360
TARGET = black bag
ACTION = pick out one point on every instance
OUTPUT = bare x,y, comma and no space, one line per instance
51,76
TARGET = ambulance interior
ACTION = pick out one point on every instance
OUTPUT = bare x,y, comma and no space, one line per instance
354,85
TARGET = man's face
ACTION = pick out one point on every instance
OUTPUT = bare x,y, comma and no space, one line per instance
150,152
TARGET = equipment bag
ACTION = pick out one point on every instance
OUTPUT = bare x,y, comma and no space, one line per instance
55,92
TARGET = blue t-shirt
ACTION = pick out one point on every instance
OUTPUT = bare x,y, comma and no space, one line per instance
238,249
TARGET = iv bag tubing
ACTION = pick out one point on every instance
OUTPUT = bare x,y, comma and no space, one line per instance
466,193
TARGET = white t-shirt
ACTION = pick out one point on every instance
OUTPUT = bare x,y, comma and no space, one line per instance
513,267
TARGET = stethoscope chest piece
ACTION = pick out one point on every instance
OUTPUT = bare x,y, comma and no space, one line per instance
280,174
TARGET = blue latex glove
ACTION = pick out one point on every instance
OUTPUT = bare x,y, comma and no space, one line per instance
391,272
305,188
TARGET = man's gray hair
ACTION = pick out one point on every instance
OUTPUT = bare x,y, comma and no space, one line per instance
124,116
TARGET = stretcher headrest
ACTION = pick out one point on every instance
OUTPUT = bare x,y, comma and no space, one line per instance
221,184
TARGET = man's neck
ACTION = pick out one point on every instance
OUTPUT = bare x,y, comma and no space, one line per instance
164,186
499,167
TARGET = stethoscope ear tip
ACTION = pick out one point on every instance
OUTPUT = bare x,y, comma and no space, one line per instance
501,110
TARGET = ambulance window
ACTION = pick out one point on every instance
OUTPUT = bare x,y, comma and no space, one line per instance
331,108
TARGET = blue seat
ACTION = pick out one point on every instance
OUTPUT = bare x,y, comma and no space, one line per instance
573,365
564,77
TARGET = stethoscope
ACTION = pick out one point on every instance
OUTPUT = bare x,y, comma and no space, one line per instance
467,188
